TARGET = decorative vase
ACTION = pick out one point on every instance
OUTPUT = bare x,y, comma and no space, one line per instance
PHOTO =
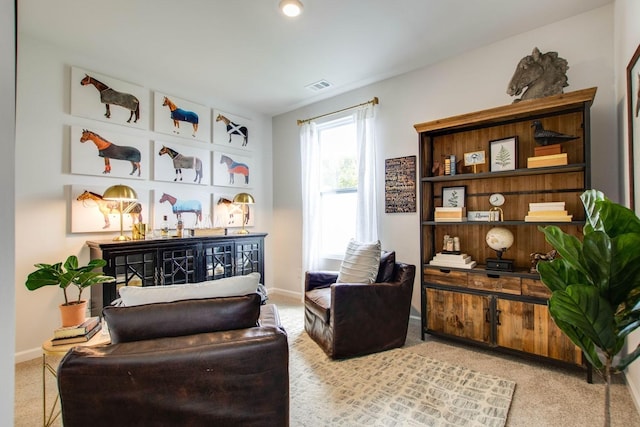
73,314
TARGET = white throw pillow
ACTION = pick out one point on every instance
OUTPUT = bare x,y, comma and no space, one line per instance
361,262
226,287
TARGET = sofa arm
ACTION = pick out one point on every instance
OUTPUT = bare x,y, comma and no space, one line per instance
319,279
237,377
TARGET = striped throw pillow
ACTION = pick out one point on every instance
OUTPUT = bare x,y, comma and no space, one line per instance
361,262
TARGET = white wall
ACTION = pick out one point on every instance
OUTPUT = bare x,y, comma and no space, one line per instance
7,216
43,164
473,81
627,40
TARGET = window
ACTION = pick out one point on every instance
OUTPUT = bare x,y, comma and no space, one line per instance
339,185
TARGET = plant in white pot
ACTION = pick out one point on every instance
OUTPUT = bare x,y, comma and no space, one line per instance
65,275
596,285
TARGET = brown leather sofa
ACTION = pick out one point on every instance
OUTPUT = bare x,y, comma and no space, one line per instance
353,319
207,362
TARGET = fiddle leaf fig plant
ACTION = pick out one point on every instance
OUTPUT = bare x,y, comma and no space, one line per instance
68,274
595,284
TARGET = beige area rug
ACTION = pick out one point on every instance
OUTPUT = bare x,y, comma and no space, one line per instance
392,388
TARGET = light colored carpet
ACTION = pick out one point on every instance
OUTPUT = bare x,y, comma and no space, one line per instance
544,396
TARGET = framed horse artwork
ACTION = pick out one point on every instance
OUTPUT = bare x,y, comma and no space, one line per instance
181,164
101,152
192,207
231,131
100,97
179,117
227,214
91,213
232,170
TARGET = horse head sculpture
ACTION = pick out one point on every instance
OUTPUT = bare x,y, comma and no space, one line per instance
542,74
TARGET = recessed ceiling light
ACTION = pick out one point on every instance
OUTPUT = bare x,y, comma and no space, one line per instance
291,8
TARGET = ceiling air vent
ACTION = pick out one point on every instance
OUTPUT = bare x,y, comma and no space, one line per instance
319,85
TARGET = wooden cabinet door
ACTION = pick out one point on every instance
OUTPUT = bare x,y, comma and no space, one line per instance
460,314
529,327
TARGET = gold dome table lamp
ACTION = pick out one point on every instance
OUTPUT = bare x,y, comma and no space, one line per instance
121,193
243,199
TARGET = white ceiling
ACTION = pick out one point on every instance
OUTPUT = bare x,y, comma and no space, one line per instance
246,52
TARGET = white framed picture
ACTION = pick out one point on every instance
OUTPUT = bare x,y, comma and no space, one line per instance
503,153
100,97
178,117
227,214
454,197
191,206
231,131
181,163
91,213
101,152
232,170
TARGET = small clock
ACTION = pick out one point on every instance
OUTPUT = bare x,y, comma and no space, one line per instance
496,199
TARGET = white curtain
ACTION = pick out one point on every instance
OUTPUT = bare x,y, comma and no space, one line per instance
367,204
310,153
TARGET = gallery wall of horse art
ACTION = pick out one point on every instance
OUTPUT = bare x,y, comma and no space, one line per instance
227,214
179,117
231,131
91,213
102,152
232,170
180,163
193,207
100,97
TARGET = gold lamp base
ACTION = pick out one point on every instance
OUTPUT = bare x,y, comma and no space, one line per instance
121,238
242,231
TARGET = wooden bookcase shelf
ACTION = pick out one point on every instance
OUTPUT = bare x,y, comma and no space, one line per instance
506,310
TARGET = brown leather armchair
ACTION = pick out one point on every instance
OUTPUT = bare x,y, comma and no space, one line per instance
208,362
353,319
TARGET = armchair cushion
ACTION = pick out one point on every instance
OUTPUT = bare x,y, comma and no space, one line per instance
360,263
226,287
387,264
179,318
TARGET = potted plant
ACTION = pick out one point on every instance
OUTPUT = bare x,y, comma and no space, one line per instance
64,276
596,285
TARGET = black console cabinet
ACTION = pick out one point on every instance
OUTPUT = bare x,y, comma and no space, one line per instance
174,261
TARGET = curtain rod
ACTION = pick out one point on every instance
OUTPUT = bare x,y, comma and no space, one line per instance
373,101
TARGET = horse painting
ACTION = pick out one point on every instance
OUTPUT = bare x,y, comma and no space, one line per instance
107,207
179,115
110,96
183,162
234,129
542,74
109,150
228,209
181,206
235,167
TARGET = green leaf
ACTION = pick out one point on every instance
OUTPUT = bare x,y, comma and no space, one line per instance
568,246
589,199
581,340
557,275
628,359
583,308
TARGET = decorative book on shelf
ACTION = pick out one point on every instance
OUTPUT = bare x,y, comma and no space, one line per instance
450,214
546,161
452,260
78,330
547,212
77,339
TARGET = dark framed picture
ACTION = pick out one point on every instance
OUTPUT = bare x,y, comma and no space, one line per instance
633,108
503,154
453,197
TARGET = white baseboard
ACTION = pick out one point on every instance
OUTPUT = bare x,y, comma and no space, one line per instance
31,354
285,292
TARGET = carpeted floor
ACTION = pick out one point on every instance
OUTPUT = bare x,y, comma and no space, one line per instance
544,395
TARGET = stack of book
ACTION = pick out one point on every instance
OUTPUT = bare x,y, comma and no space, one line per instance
77,334
547,212
452,260
548,160
450,214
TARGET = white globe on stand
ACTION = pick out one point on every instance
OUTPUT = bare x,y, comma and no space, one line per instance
499,239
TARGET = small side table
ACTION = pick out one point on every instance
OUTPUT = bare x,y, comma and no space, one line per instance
48,349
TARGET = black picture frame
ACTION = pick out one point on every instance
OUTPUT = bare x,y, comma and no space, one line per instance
633,124
454,196
503,154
